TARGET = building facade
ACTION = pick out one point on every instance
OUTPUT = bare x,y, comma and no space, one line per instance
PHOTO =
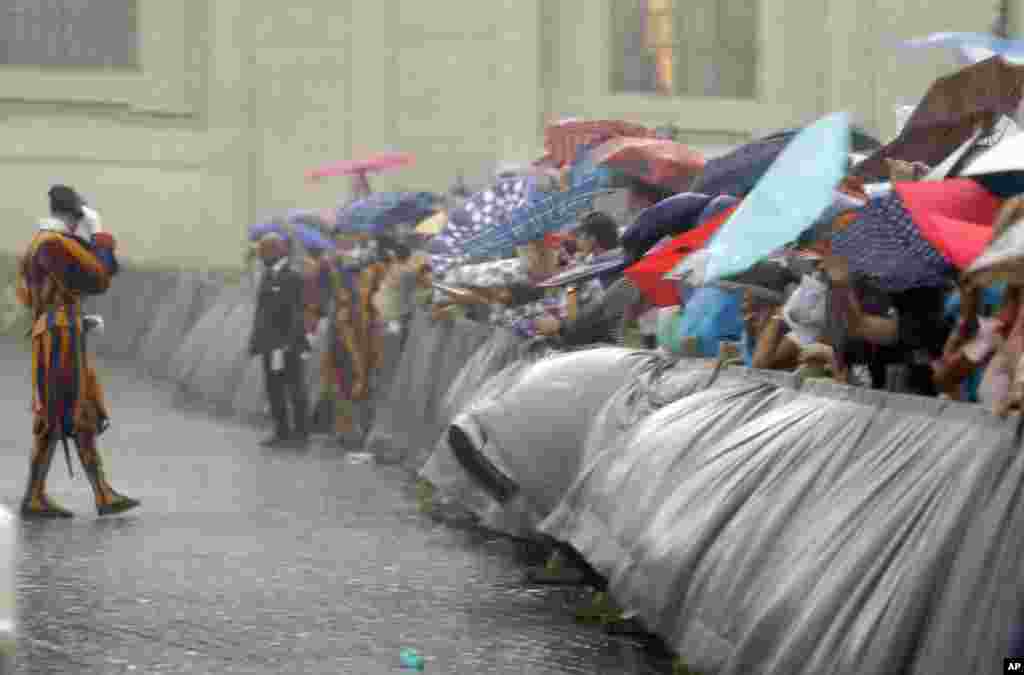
185,121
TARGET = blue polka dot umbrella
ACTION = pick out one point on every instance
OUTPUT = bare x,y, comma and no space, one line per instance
557,211
919,235
484,211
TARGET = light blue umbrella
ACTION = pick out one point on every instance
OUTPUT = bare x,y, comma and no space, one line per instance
972,46
797,188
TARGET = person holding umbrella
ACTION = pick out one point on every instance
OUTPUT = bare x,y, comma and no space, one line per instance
279,338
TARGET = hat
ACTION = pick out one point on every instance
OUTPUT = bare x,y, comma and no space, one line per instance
65,200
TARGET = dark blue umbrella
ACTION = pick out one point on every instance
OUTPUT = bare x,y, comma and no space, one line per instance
739,171
605,264
674,215
383,210
256,232
312,238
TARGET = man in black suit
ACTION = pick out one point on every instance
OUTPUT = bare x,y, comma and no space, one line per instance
279,337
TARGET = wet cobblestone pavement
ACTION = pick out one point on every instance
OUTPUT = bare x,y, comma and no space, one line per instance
248,561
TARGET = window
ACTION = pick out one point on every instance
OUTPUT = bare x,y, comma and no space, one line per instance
69,33
685,47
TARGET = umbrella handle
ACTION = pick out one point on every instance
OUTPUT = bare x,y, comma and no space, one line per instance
361,185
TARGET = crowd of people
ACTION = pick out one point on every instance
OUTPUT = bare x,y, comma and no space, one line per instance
868,295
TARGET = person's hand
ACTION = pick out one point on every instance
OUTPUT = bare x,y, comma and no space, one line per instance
441,311
93,323
359,390
547,325
837,269
816,354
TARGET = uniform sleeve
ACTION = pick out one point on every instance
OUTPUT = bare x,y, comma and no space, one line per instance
86,269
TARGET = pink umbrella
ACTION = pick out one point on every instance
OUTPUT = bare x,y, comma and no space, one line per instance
361,167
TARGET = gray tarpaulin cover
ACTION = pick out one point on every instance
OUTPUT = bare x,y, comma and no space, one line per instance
528,442
623,485
407,419
219,371
455,484
501,349
172,320
203,335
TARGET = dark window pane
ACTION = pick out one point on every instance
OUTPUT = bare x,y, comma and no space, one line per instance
77,33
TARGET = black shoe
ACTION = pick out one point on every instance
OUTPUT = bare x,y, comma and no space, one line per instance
299,441
275,441
119,505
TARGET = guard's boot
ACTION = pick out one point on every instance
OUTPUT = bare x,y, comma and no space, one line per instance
36,504
108,500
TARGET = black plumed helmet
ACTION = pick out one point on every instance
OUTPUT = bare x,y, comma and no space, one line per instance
65,201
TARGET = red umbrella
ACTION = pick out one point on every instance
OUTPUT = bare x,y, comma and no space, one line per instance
654,160
649,273
955,216
561,139
375,164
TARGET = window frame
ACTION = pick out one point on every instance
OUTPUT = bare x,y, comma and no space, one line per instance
158,85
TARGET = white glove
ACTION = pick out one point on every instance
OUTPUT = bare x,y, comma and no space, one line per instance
394,328
314,340
90,223
93,323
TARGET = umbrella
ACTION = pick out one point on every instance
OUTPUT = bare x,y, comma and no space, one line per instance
737,172
1000,169
770,279
434,224
674,215
1002,260
653,160
919,234
375,164
648,274
789,198
951,111
944,170
492,274
258,231
970,44
383,210
534,220
484,210
311,238
563,138
609,262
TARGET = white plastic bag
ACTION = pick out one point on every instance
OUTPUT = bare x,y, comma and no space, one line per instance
805,311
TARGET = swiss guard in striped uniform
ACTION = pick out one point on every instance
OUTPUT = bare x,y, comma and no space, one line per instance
70,256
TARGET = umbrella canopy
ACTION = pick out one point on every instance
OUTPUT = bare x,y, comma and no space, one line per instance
648,274
493,274
563,138
374,164
257,231
920,234
609,262
383,210
321,219
954,107
789,198
434,224
739,171
674,215
532,221
769,279
945,169
970,43
1001,169
653,160
1002,260
484,210
311,238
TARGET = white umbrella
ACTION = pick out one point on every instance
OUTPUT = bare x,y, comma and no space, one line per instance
1007,155
941,172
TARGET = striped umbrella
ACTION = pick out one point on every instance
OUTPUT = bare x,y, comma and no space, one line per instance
532,221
